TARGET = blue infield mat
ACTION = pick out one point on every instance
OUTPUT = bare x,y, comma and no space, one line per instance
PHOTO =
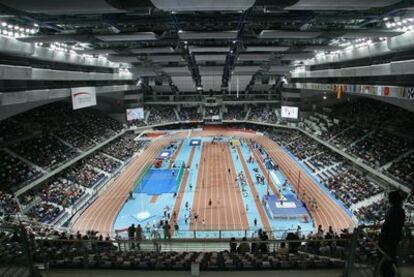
158,181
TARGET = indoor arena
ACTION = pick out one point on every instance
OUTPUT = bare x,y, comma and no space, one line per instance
206,138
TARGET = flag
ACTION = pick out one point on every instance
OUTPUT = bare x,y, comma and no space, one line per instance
386,91
409,92
339,90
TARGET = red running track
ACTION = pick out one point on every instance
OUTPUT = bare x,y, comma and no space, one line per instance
215,183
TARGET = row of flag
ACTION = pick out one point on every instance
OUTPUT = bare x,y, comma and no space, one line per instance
340,89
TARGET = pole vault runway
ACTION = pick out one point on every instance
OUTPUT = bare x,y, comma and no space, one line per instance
216,183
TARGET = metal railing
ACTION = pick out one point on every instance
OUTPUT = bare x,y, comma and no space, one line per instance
358,254
366,257
207,231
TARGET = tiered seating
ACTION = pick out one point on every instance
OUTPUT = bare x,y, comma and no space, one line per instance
84,174
403,170
44,212
124,147
106,256
283,138
261,114
380,147
14,172
103,162
304,147
95,125
189,114
8,204
210,111
374,212
45,151
234,113
347,184
136,123
75,138
161,115
349,136
352,187
371,130
61,191
11,130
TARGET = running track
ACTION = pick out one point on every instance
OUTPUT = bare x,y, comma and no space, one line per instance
102,213
257,199
216,183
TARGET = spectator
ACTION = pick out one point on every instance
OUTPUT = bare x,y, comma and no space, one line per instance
233,245
244,246
391,233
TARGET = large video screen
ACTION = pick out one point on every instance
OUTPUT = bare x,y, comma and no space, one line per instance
290,112
136,113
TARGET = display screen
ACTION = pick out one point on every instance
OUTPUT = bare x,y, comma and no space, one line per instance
135,114
290,112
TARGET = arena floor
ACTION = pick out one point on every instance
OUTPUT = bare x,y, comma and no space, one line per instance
213,168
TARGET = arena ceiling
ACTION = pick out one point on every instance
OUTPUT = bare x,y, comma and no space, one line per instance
205,44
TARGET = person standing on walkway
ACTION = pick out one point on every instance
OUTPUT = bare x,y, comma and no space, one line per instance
391,233
255,222
138,236
209,203
131,235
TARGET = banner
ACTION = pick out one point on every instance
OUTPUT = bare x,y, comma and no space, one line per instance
83,97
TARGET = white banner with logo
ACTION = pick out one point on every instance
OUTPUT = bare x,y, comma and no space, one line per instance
83,97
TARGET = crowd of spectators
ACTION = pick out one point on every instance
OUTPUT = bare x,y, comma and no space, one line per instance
189,113
234,113
85,174
380,147
352,187
74,138
124,147
61,191
374,131
373,213
45,151
62,249
403,170
136,123
211,111
262,114
54,122
95,124
8,204
347,184
14,172
65,189
348,137
11,130
44,212
103,162
161,115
